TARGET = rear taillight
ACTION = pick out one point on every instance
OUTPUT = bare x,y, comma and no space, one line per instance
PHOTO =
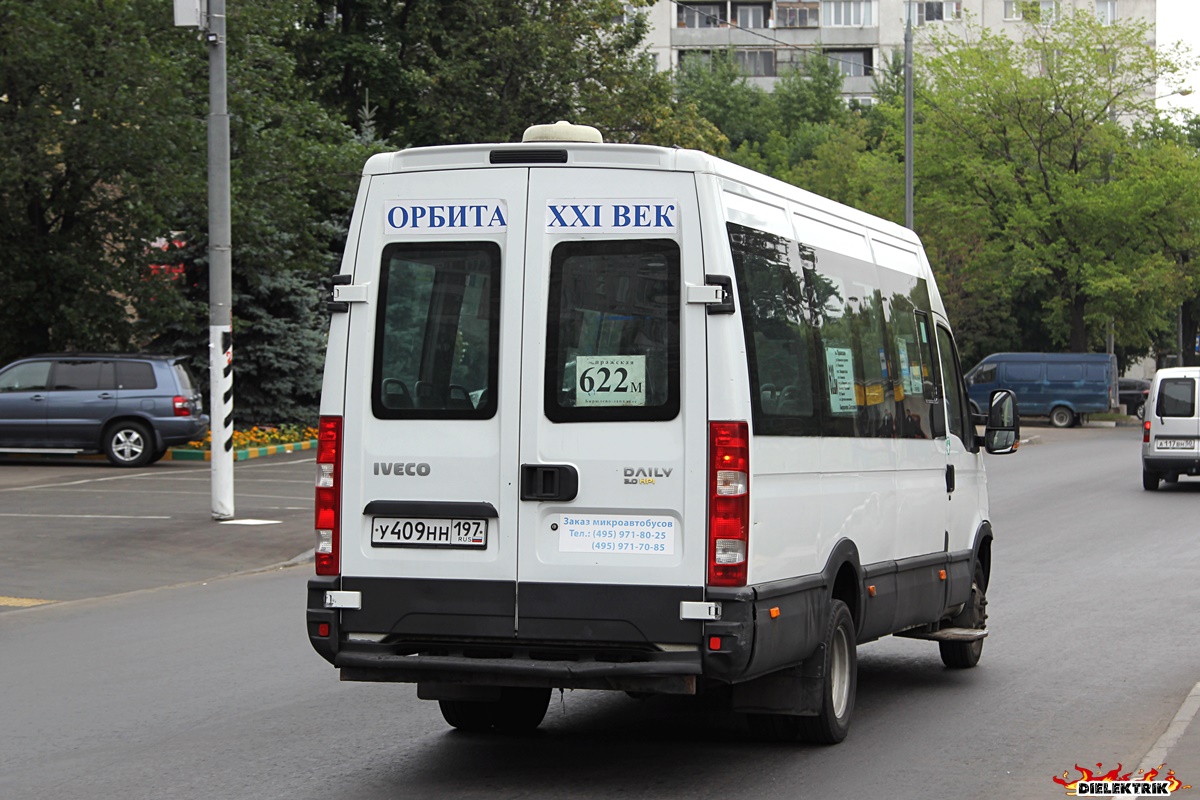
329,489
1146,432
728,502
182,409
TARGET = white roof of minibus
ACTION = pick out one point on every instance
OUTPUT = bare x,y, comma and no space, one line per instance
621,156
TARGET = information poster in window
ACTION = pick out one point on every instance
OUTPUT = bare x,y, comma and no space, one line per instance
839,364
910,372
610,381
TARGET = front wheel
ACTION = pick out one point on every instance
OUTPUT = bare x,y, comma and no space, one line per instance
129,444
1062,417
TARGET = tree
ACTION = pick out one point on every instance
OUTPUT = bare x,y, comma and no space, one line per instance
294,171
483,70
100,146
1033,182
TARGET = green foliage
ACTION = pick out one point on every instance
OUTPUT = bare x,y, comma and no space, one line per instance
1035,194
484,70
294,172
100,145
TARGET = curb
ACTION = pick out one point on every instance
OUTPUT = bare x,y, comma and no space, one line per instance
183,454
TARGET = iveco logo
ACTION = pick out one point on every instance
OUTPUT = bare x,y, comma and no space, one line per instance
398,468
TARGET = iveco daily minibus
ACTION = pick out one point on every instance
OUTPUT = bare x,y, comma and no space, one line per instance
632,418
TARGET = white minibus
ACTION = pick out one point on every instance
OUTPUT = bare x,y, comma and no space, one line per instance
621,417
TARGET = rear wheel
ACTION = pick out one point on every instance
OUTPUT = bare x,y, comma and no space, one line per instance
519,710
129,444
964,655
840,684
1062,417
1150,480
1140,413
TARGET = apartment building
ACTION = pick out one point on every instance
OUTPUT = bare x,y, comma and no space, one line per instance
769,37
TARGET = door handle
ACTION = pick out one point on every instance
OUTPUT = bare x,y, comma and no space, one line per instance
549,482
949,479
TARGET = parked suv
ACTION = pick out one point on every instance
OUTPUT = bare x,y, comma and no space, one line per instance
129,407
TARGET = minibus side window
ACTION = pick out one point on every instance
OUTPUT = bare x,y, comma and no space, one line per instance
909,373
783,302
437,331
957,408
612,331
820,358
1176,398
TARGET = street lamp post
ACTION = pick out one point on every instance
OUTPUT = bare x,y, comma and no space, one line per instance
908,116
209,16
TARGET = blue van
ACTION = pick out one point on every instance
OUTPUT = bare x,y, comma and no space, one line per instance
1061,386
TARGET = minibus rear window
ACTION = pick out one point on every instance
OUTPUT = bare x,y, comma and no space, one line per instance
1176,398
437,331
612,335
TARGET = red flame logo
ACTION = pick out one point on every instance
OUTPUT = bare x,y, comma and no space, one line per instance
1114,775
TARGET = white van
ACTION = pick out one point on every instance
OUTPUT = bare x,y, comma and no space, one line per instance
1171,427
634,418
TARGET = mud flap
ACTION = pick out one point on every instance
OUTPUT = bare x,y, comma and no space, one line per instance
796,691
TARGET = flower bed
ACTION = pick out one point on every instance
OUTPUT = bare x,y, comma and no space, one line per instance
261,437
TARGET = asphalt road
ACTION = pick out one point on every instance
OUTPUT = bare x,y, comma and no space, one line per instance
210,690
79,528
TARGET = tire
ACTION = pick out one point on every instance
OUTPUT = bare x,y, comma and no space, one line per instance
964,655
1140,413
840,684
519,710
1062,417
1150,480
129,444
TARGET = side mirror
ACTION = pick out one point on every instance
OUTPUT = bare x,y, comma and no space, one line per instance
1003,423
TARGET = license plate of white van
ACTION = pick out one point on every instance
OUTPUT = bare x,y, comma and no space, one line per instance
428,532
1174,444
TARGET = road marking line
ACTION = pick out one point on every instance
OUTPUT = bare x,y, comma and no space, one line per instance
1158,754
81,516
250,522
22,602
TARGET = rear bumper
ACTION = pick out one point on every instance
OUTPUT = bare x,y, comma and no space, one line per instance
180,430
1185,465
628,638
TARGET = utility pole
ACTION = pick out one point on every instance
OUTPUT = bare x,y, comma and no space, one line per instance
209,16
908,115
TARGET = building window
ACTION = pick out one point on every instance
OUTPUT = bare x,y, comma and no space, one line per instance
847,13
938,11
1012,9
797,15
1043,11
756,63
695,56
751,16
702,15
1106,11
852,63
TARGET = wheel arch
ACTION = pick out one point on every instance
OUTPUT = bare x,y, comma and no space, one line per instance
844,576
982,551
